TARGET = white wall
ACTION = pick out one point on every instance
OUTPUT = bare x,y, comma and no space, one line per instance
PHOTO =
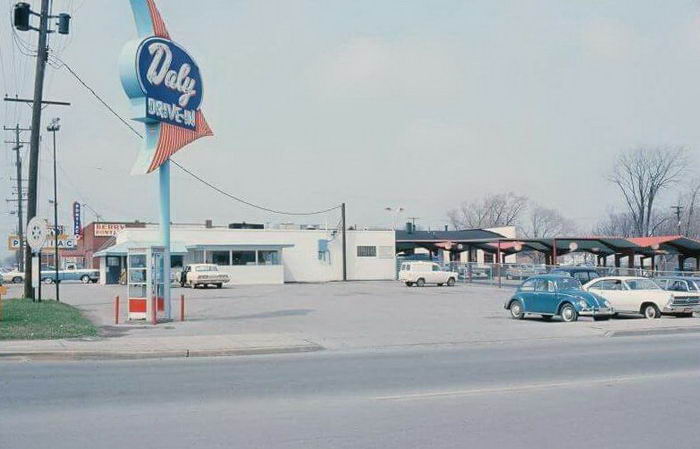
300,263
254,274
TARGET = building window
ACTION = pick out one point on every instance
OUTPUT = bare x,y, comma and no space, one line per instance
268,258
176,261
219,257
243,258
366,251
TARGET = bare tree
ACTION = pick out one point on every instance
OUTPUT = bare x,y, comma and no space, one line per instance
616,224
691,214
641,175
544,222
491,211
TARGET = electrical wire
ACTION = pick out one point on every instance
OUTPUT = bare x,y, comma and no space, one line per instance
240,200
198,178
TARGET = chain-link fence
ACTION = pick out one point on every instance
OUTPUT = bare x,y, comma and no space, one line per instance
512,275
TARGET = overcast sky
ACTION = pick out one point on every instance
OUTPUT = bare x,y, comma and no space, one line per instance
376,103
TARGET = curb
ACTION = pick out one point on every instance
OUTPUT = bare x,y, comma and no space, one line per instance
166,354
653,331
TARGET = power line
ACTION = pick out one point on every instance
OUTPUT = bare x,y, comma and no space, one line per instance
240,200
198,178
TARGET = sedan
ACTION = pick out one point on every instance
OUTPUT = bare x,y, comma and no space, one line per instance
551,295
637,295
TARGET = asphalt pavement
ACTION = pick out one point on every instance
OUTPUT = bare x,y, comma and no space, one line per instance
626,392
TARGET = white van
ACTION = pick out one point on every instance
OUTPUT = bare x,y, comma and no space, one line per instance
421,273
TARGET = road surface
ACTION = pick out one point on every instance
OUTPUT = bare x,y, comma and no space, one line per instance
631,392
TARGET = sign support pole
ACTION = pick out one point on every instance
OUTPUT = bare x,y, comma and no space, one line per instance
164,178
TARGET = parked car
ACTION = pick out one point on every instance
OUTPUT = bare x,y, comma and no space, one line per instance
203,274
421,273
13,276
70,273
582,274
685,291
521,272
631,294
551,295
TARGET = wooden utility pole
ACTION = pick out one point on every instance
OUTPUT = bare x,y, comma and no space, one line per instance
20,194
41,58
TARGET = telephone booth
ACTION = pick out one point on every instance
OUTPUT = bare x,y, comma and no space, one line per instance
145,283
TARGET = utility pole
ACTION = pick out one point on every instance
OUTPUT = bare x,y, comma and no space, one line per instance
22,15
53,128
345,260
679,210
20,197
413,220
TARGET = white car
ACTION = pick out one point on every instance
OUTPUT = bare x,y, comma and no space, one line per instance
421,273
12,277
203,274
629,294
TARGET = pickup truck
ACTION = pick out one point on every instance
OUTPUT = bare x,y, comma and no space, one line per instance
421,273
70,273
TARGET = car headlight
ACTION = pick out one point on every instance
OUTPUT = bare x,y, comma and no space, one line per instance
583,303
606,303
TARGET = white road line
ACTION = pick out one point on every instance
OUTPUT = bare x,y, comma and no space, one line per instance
537,386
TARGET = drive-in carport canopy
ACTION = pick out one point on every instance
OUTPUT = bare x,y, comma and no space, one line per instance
449,240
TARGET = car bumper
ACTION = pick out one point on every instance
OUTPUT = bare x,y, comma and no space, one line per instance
597,312
682,308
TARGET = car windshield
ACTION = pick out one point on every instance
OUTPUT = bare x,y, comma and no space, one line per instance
568,284
692,286
642,284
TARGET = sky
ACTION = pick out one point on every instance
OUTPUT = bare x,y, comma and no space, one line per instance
412,104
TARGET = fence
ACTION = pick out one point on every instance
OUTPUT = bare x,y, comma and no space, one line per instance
514,274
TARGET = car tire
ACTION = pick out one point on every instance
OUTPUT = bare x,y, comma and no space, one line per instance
517,311
440,284
17,280
451,282
85,279
182,284
601,318
650,311
409,284
47,281
420,282
568,313
219,285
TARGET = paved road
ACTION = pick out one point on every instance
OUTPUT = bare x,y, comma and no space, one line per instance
632,392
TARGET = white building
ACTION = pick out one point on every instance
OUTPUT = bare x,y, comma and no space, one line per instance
264,256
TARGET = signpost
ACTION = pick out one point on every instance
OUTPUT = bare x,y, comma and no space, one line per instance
36,233
164,85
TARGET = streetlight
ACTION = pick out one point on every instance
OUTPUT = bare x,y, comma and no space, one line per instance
53,128
397,211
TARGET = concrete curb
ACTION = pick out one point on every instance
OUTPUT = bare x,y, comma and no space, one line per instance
653,331
162,354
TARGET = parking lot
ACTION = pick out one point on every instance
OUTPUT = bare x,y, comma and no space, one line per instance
351,315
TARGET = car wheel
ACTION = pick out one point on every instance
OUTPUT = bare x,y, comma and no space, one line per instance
451,282
47,281
568,313
516,310
440,284
420,282
17,280
409,284
650,311
601,318
182,284
85,279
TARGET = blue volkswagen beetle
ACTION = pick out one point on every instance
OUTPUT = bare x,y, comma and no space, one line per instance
550,295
